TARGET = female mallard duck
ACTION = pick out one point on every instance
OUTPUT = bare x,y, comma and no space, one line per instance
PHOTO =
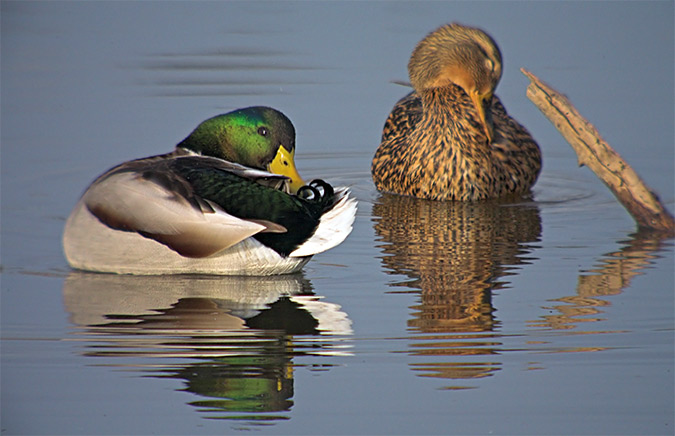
451,138
227,201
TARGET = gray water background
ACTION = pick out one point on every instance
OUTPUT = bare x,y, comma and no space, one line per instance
570,312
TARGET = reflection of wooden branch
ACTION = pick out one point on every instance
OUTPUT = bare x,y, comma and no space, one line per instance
596,154
612,276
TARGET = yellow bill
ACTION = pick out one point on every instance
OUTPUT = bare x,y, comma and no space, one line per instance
284,164
483,104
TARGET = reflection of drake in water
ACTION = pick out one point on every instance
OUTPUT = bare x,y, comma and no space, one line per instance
237,334
455,254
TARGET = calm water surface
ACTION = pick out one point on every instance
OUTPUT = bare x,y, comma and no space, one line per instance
549,316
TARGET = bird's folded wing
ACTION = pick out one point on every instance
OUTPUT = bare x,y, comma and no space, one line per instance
129,202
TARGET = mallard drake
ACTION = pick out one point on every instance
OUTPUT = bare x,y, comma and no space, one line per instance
228,200
451,138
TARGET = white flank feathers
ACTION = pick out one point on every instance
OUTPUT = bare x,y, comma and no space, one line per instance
92,246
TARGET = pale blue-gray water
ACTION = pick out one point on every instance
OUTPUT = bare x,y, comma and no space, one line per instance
547,317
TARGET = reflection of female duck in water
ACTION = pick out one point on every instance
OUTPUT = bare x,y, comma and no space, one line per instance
455,252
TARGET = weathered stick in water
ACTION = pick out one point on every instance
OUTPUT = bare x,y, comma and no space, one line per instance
592,151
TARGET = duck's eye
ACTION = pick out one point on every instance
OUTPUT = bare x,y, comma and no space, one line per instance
262,131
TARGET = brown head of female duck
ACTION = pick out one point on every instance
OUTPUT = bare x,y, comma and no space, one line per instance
451,138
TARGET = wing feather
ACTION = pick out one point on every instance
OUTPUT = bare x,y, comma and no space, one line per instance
129,202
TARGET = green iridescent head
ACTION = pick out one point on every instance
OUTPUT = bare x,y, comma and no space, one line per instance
257,137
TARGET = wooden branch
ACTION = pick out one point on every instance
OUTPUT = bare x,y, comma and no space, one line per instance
592,151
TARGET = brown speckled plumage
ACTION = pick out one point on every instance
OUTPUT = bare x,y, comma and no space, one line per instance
435,143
